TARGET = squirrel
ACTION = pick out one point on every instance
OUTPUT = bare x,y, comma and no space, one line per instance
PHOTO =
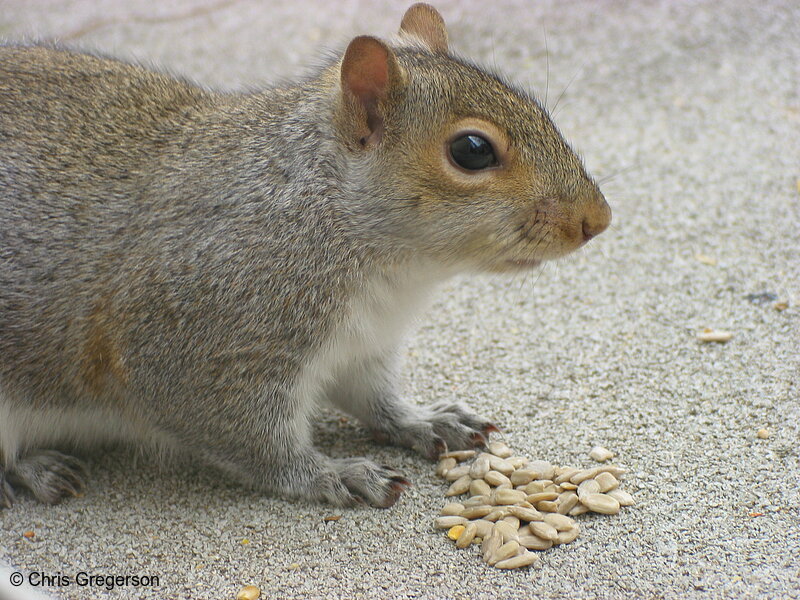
194,271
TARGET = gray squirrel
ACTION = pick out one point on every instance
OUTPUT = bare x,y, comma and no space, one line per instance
194,271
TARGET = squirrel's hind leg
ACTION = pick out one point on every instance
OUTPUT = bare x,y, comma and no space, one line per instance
48,474
7,497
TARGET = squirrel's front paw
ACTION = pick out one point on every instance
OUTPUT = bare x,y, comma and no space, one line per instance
444,426
361,480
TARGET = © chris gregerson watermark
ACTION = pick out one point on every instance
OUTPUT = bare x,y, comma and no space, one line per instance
83,579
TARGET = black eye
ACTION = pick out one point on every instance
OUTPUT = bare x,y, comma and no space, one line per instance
472,152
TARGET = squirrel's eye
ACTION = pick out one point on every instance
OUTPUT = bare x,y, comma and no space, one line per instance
472,152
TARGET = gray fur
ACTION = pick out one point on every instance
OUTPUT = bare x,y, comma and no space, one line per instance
193,270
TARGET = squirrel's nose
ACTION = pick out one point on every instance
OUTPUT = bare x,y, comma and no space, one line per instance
597,218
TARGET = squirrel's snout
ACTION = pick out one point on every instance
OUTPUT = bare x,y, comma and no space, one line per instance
597,218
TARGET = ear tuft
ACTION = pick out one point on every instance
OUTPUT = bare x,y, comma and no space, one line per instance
365,69
369,70
424,24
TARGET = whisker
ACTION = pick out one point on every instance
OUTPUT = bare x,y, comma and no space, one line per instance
547,67
616,174
561,95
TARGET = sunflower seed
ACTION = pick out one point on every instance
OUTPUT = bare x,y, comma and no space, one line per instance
445,465
542,468
534,542
506,497
495,478
500,465
565,537
499,449
577,510
448,522
490,544
505,551
607,482
523,559
582,476
525,514
478,500
457,472
536,487
601,503
497,514
517,461
621,496
459,486
566,502
507,530
453,509
459,455
709,335
543,530
547,506
565,475
480,467
522,476
466,537
534,498
601,454
560,522
484,528
476,512
590,486
478,487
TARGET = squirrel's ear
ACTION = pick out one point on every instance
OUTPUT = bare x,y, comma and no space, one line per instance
369,71
423,24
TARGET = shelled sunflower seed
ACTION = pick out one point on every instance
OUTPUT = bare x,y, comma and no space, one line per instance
516,505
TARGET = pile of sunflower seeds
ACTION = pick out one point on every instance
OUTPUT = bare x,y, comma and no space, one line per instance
516,505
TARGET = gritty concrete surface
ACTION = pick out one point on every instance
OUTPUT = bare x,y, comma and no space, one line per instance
692,112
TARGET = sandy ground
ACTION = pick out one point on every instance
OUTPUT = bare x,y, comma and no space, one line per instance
691,111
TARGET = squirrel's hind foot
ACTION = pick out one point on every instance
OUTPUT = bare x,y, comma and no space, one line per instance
48,474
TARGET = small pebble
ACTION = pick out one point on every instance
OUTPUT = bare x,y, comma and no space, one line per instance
762,434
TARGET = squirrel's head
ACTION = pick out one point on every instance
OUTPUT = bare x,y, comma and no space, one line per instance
458,163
